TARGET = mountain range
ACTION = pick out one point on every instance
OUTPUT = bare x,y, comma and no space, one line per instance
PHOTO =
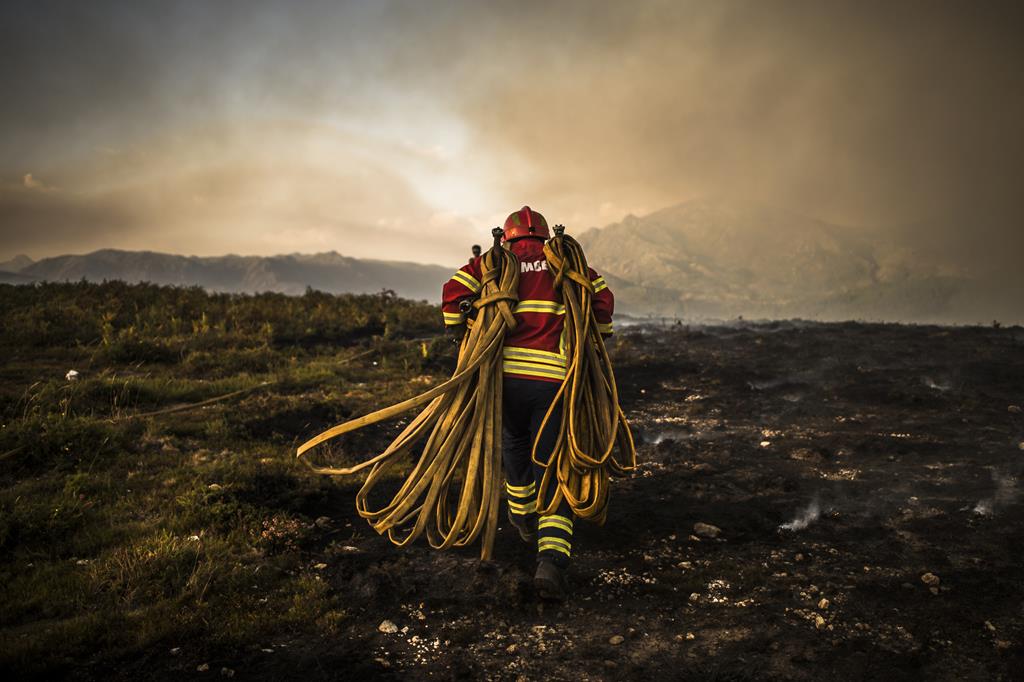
701,259
289,274
721,259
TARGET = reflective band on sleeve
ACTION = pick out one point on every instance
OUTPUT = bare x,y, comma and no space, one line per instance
468,280
604,328
599,284
454,318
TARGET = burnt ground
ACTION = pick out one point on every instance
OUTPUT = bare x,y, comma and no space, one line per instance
892,452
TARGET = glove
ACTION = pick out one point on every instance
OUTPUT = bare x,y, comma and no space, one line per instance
454,333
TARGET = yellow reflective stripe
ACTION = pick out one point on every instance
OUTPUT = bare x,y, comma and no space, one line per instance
599,284
524,508
554,543
604,328
556,522
535,306
514,367
520,489
468,280
453,318
556,548
529,354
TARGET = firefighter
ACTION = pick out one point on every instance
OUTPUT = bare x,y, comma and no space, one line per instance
534,364
476,252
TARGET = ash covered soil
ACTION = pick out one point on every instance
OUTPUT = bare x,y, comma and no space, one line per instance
863,480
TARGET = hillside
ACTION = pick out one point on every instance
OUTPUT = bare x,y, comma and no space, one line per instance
289,274
710,258
16,264
7,277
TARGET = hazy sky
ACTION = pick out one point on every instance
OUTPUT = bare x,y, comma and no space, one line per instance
407,129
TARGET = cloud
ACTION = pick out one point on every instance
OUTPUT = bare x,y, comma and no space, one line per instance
209,191
903,116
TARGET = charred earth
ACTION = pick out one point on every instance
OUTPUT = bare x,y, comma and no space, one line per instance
813,500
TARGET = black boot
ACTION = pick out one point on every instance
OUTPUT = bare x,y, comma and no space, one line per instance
550,581
526,524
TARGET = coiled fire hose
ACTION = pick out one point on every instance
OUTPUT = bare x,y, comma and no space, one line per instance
461,458
592,421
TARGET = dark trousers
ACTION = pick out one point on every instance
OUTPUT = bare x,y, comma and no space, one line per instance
524,404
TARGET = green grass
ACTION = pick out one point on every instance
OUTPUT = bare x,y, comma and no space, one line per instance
120,534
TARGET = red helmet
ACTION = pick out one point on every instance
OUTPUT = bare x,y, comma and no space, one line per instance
525,223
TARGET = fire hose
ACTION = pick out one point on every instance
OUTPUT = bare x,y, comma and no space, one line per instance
461,458
592,421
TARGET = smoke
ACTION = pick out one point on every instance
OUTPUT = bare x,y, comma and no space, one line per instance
903,116
1006,493
805,517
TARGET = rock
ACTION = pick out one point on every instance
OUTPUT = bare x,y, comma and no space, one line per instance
690,635
72,375
766,443
706,530
323,522
227,672
202,667
387,627
823,604
934,590
175,651
703,467
991,628
1020,445
511,648
694,597
320,566
684,565
799,557
679,638
930,579
1013,409
819,622
215,486
611,664
616,640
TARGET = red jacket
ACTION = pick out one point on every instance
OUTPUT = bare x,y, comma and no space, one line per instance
535,349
